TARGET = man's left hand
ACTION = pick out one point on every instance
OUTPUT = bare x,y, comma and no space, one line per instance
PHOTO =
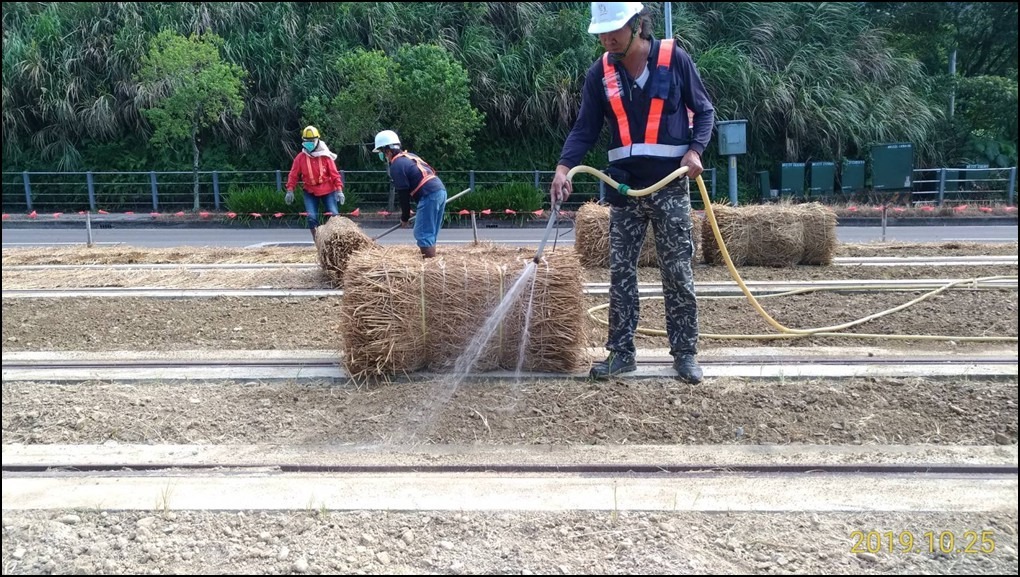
692,160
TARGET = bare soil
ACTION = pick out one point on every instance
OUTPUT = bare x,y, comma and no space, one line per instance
98,324
968,411
510,543
725,411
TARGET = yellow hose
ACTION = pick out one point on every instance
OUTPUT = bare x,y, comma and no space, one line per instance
785,332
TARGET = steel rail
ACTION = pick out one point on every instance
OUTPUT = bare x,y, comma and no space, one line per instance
648,362
138,469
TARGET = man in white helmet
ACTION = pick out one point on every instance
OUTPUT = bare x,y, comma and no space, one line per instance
414,179
644,88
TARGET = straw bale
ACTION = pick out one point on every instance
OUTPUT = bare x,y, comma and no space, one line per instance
335,242
591,237
402,313
774,235
820,240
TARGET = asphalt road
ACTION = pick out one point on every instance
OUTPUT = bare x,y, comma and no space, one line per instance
169,237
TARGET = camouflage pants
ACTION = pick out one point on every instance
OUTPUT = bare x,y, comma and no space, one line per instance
669,211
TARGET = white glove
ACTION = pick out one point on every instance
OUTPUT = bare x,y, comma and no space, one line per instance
289,197
340,198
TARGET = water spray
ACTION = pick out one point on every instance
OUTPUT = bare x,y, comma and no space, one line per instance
545,237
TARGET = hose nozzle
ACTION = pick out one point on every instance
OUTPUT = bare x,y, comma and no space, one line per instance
545,238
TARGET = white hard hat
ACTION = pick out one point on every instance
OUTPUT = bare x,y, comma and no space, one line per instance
385,139
610,16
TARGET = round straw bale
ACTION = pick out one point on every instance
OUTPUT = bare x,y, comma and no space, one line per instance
726,218
777,235
401,313
335,242
820,242
591,237
757,235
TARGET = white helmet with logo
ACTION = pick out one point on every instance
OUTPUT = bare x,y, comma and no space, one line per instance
385,139
610,16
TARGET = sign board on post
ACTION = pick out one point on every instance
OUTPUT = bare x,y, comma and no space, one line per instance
732,142
732,137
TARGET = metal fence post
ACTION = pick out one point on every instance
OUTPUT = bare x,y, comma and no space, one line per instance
471,179
536,181
216,189
155,191
92,190
942,185
28,190
713,185
279,181
1012,185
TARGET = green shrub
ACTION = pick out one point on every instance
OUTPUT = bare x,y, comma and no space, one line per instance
517,196
265,200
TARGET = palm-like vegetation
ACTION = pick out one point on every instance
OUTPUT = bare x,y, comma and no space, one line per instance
816,81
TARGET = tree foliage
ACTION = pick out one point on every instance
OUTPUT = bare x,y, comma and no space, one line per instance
493,85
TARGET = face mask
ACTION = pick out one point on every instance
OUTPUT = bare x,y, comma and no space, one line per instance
382,156
309,146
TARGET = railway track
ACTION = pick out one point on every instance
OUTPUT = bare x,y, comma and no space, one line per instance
759,288
472,478
837,261
36,367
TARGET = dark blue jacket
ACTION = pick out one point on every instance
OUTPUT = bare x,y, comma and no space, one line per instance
686,90
406,177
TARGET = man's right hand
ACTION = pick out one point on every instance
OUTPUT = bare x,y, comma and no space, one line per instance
289,197
561,188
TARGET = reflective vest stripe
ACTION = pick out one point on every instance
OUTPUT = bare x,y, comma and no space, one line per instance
613,91
427,172
655,112
660,150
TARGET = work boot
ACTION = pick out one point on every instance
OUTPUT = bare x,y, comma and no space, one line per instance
614,364
428,251
687,369
313,234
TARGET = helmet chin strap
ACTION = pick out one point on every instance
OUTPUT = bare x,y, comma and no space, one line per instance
619,56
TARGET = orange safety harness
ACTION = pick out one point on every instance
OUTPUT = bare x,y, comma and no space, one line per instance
427,172
309,174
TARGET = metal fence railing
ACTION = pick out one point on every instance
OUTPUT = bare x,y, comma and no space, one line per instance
940,186
172,191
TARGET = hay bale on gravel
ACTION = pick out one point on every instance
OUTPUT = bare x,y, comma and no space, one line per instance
402,313
591,238
335,243
774,235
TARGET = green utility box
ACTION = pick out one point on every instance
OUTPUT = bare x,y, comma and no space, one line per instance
823,178
791,179
764,185
851,178
892,166
732,137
